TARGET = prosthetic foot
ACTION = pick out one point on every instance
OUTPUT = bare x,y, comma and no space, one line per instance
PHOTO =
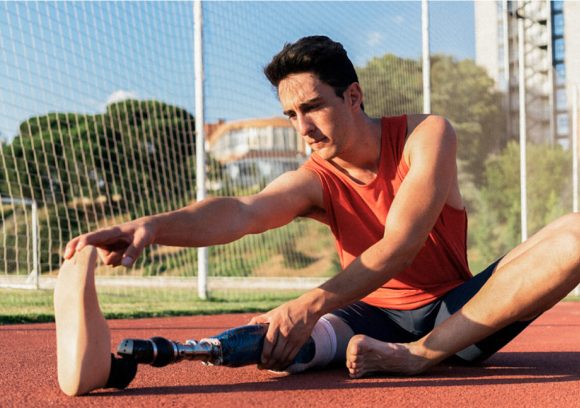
82,335
83,338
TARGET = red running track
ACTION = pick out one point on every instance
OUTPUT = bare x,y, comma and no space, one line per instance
540,368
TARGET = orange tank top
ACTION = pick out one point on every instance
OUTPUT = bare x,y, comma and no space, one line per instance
356,214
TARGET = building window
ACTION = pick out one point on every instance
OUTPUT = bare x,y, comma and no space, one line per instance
562,124
565,143
558,24
559,49
502,79
557,5
560,74
561,101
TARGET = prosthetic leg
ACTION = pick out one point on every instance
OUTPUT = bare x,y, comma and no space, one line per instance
233,348
236,347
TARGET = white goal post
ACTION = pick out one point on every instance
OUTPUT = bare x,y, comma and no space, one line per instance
33,278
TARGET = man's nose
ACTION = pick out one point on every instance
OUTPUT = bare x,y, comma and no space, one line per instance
305,125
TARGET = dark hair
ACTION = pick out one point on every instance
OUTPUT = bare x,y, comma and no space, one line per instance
317,54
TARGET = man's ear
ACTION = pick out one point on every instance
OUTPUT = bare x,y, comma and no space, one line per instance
354,96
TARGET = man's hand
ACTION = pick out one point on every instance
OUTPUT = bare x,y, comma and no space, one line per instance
119,245
290,325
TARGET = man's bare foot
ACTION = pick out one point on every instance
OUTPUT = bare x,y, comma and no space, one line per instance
366,355
82,335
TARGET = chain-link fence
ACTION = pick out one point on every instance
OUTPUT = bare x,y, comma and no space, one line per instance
98,127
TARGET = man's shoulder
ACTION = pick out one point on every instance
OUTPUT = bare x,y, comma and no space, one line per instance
416,120
430,132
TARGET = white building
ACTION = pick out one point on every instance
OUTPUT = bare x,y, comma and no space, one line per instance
552,61
255,151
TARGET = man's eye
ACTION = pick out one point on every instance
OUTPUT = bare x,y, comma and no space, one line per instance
312,108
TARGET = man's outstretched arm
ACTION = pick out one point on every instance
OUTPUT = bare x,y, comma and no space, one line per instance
212,221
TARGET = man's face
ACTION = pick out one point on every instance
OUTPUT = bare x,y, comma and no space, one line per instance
317,114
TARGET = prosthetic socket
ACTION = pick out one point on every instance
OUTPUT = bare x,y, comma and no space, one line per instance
233,348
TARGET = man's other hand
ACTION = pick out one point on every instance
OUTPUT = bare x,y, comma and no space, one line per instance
290,326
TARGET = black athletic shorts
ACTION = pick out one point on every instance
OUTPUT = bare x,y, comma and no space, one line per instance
403,326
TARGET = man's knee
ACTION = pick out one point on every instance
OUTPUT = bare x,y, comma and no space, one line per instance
343,333
564,242
330,335
569,222
566,247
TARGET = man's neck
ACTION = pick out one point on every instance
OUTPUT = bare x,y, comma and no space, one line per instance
361,160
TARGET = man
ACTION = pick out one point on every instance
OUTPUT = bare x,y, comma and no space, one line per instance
405,299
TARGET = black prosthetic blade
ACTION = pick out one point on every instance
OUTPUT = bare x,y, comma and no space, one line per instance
157,351
166,354
141,350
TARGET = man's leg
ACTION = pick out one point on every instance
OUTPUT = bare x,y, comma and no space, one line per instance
82,335
528,281
333,332
381,324
331,336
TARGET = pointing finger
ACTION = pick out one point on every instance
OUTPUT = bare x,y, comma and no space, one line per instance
134,250
70,248
99,238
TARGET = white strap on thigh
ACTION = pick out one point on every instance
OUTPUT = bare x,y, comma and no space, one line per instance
325,343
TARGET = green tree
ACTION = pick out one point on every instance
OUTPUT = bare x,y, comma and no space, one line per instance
461,91
158,142
548,195
134,159
135,146
391,85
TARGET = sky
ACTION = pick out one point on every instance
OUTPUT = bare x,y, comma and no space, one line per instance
78,56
